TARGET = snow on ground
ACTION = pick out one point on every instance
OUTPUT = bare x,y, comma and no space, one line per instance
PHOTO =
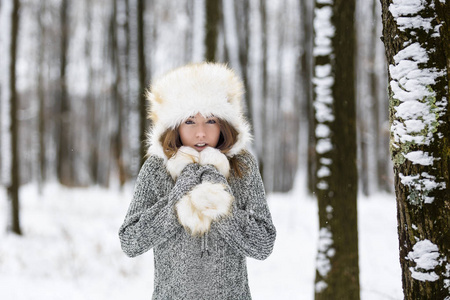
70,248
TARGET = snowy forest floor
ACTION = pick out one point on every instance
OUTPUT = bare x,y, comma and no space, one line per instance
70,248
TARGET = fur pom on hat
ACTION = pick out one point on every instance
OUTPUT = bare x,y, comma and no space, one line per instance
205,88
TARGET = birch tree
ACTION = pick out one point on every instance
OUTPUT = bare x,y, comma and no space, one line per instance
416,36
337,275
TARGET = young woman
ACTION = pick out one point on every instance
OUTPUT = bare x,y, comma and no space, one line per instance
199,199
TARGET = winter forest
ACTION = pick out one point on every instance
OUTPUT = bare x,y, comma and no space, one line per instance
348,104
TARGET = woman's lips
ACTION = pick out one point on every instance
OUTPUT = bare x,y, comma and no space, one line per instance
200,146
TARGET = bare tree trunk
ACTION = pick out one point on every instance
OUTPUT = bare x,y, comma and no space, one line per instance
213,17
373,88
370,120
91,108
417,39
41,96
65,149
337,275
242,11
126,71
14,182
117,139
306,12
291,91
263,152
143,123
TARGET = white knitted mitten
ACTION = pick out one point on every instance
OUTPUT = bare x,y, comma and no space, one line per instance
205,203
213,156
192,219
183,157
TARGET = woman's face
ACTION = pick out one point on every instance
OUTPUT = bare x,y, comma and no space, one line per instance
199,132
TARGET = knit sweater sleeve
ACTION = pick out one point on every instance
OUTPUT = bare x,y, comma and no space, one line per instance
151,218
249,228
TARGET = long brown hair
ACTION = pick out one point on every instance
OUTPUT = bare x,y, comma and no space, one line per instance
171,141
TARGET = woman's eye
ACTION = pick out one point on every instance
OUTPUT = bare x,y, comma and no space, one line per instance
211,121
189,122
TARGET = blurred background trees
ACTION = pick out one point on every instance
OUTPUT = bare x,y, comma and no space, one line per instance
73,111
73,75
82,66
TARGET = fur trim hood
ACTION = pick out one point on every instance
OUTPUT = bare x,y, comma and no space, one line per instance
206,88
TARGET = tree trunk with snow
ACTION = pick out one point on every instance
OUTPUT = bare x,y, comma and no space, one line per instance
416,36
337,275
14,180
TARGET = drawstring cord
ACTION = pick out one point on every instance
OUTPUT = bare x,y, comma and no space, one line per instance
205,245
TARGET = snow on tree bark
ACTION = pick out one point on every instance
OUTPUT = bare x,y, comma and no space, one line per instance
416,35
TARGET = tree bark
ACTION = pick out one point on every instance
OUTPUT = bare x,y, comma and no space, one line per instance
416,39
337,275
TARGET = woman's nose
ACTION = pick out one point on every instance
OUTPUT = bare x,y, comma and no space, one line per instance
200,132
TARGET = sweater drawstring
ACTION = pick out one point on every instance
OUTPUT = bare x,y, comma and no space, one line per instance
205,245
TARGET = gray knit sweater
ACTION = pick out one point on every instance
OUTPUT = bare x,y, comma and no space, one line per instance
212,266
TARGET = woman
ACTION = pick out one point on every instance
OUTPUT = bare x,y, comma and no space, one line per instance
199,199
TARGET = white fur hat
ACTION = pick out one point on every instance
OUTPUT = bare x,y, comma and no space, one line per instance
206,88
